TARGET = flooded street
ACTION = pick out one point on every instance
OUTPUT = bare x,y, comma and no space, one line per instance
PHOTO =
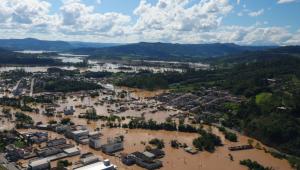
178,158
137,140
128,103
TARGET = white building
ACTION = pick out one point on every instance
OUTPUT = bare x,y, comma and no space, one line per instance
105,165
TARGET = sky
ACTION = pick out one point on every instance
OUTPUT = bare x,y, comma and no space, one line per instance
245,22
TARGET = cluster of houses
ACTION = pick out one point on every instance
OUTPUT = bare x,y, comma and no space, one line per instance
80,134
41,151
207,101
87,161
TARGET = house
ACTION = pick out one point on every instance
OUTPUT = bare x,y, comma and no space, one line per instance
49,111
145,162
56,142
158,153
41,164
95,134
42,127
37,137
61,128
149,155
77,134
49,152
69,111
127,160
72,151
113,145
95,143
14,154
89,159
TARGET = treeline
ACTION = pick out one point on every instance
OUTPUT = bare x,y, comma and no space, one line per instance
90,74
63,72
145,80
31,61
139,123
152,81
15,103
66,85
228,135
9,57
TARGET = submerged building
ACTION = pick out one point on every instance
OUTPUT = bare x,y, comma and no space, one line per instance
40,164
114,145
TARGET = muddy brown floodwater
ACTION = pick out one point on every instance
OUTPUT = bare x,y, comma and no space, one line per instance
143,93
175,159
178,159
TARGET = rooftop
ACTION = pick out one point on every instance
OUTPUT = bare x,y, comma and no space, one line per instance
39,162
96,166
71,150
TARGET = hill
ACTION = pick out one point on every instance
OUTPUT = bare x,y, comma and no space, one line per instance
167,51
44,45
285,52
33,44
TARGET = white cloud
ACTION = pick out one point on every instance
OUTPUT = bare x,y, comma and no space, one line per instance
256,13
80,18
24,11
285,1
173,16
294,40
182,21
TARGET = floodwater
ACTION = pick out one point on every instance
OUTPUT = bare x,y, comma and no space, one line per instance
143,93
178,159
32,69
114,68
175,158
70,60
96,66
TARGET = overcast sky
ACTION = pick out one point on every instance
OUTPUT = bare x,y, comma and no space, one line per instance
252,22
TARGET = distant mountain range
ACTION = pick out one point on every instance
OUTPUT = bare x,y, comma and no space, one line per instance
44,45
278,53
168,50
145,50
